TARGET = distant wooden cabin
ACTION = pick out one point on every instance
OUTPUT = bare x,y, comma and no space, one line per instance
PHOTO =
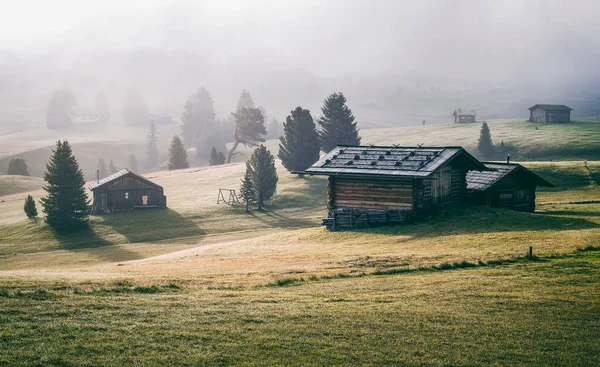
379,185
550,113
509,186
124,191
464,116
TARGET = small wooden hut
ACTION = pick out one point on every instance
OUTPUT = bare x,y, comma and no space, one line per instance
126,190
378,185
464,116
550,113
504,185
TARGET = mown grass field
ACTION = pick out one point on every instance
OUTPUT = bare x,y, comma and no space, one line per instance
207,284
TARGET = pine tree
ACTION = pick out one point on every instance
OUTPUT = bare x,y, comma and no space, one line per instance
135,109
17,166
66,205
299,147
263,175
247,190
102,171
204,145
101,108
214,157
198,117
273,129
111,168
60,107
245,101
177,155
221,157
485,144
133,164
337,123
249,129
152,148
29,207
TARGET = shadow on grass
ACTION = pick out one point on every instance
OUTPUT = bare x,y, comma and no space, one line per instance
152,225
275,220
476,220
87,240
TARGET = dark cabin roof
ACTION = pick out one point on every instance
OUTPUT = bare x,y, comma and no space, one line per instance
121,173
484,180
461,112
551,107
386,161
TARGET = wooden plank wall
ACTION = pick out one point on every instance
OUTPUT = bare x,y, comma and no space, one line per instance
377,194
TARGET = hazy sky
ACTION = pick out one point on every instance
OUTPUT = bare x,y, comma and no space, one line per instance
443,38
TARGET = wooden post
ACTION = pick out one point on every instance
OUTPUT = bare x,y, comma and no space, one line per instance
531,252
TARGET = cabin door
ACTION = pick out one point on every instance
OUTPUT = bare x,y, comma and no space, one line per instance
441,185
145,199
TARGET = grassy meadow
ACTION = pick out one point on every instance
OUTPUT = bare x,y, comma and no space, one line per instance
207,284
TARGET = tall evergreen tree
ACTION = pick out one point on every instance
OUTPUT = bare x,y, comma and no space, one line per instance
245,101
204,145
273,129
17,166
60,108
299,147
152,148
101,108
337,123
198,118
111,168
221,157
102,171
485,144
214,157
29,207
247,190
249,129
66,205
135,109
177,155
133,164
263,175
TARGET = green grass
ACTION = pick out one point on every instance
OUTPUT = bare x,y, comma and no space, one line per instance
522,314
10,185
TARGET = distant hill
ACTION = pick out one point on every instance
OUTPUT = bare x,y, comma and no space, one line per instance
10,185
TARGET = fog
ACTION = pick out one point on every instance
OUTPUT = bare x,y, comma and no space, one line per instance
397,61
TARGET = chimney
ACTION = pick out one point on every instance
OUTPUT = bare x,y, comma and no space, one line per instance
97,175
508,158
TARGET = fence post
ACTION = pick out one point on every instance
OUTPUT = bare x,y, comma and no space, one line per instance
531,252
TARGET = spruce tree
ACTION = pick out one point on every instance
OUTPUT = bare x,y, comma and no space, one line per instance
485,145
221,157
133,164
177,155
111,168
101,108
198,117
337,123
249,129
263,175
29,207
102,171
299,147
152,148
247,190
245,101
17,166
273,129
66,205
214,157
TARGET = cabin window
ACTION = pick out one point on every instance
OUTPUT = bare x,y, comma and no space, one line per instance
521,195
126,196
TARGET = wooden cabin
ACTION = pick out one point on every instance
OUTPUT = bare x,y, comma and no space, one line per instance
550,113
464,116
379,185
124,191
504,185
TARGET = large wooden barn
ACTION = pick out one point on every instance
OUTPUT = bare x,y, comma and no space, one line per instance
378,185
126,190
504,185
550,113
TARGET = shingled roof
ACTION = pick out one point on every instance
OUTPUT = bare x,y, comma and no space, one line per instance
484,180
389,161
461,112
121,173
551,107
